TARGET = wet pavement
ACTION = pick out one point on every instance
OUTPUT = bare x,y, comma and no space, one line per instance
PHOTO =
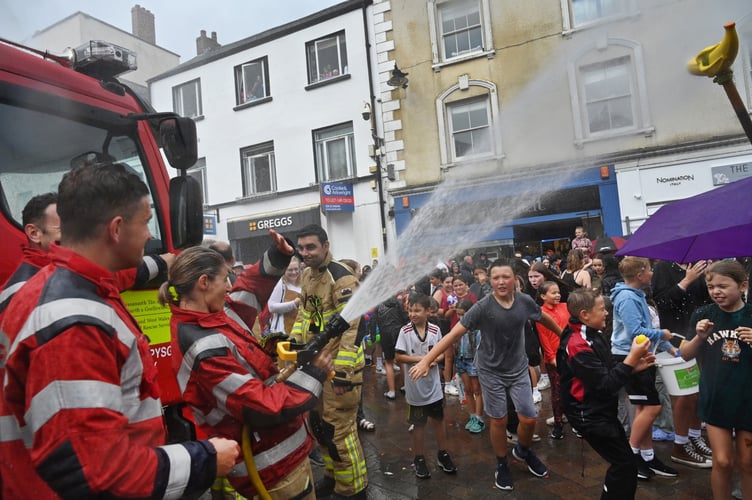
575,471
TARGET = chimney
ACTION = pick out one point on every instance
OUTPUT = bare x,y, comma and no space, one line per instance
142,21
205,44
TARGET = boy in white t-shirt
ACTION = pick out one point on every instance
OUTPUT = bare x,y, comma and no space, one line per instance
424,396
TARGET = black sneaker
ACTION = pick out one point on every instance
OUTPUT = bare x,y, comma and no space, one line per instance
643,471
503,478
660,468
445,462
324,487
557,431
421,468
534,465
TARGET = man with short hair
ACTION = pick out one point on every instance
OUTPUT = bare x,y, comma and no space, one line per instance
80,376
326,287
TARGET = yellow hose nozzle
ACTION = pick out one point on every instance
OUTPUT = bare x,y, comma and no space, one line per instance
717,58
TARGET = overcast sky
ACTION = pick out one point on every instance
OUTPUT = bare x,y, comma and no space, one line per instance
178,22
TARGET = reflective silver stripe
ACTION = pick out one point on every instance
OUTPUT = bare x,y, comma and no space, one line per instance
151,266
9,430
180,470
9,291
213,341
237,319
307,382
131,375
44,315
246,298
230,384
273,455
142,410
71,395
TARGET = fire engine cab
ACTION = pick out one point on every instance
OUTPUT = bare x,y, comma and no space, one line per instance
57,111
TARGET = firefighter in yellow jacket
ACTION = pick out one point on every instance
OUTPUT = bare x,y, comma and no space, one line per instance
326,287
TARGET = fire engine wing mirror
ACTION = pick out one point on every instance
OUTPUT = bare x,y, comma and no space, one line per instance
178,139
186,211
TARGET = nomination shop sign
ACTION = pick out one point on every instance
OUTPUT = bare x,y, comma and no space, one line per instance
282,223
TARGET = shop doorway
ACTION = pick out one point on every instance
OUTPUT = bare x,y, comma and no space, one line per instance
533,240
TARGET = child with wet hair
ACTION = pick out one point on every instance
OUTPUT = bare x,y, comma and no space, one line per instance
721,342
590,382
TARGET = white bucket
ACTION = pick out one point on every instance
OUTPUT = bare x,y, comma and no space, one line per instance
681,377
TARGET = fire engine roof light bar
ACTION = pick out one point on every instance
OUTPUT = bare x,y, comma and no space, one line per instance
104,60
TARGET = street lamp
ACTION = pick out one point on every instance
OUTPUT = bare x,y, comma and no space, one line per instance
375,152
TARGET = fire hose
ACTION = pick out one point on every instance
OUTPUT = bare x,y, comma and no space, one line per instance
296,355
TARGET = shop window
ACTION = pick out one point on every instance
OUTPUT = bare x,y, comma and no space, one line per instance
259,172
335,152
186,99
198,172
327,58
460,29
582,13
609,94
252,81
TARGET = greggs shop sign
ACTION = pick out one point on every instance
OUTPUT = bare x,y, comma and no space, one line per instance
282,223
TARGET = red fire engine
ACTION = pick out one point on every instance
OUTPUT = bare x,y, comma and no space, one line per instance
58,111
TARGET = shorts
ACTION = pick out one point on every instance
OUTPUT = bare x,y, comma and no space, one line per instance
388,342
494,389
418,415
465,365
640,386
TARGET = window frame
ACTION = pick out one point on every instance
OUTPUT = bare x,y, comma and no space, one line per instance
178,100
614,48
484,90
453,132
198,172
312,50
239,74
348,135
439,57
264,149
569,23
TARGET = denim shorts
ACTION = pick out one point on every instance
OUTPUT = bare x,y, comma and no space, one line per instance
465,365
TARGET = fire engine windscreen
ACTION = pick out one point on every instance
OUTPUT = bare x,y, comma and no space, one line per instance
38,147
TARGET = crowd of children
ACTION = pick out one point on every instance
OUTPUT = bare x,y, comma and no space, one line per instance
595,347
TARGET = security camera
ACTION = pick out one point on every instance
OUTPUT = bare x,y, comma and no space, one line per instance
366,111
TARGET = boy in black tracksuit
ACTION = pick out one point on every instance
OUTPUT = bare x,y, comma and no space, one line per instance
590,383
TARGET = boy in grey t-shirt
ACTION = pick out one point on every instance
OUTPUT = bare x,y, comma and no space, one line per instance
502,365
424,397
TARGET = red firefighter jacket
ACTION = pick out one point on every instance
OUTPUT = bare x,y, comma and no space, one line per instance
82,386
227,378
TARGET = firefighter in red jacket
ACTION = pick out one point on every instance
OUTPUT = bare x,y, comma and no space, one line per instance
41,224
80,378
228,378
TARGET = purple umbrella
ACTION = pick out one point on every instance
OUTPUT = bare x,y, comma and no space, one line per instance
713,225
